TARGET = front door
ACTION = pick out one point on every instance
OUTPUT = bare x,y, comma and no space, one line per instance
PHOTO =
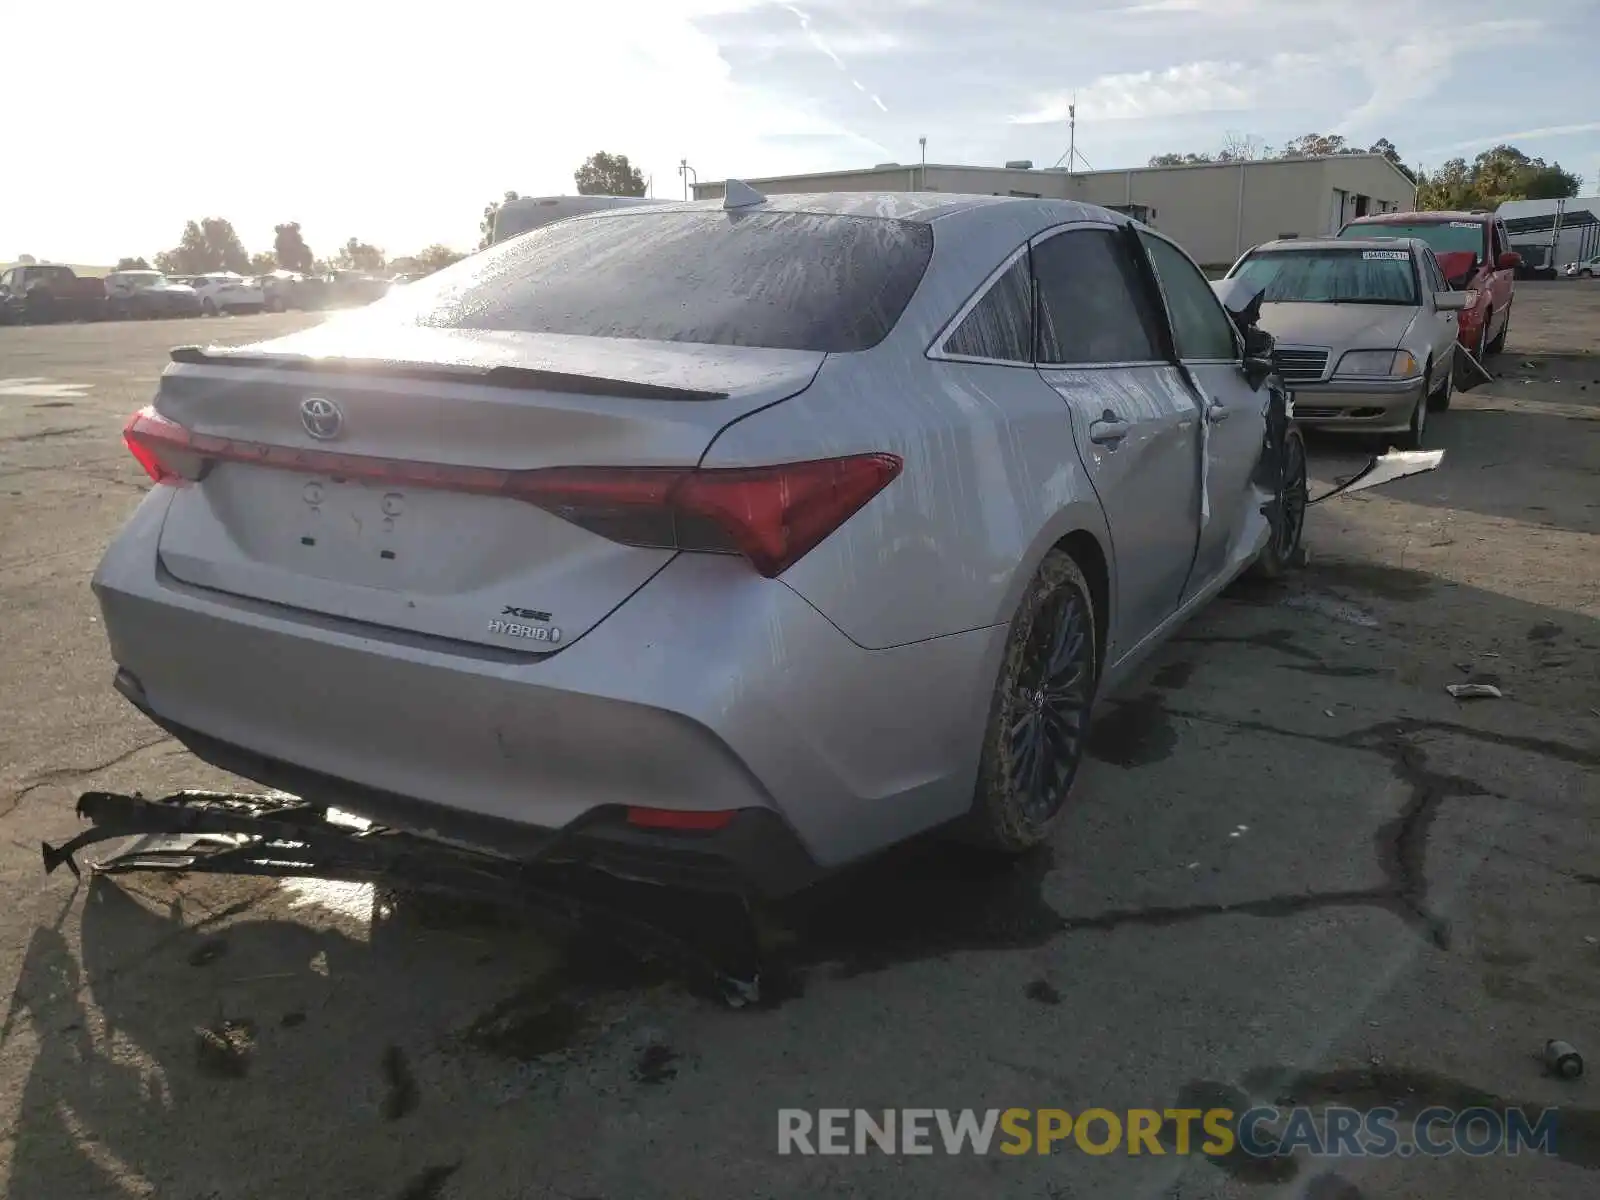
1135,423
1231,520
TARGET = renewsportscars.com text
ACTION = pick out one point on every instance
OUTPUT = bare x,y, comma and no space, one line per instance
1263,1132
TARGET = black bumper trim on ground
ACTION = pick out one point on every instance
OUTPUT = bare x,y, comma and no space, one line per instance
757,853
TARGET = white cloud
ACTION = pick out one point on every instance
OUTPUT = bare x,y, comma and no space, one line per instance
824,47
1521,135
1403,70
1196,87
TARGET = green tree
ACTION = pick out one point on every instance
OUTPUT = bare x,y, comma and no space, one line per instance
191,256
1316,145
1181,160
263,262
1499,174
132,264
605,174
436,258
290,248
225,244
486,225
356,255
209,244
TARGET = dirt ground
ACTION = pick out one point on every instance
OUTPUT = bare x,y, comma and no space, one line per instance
1296,870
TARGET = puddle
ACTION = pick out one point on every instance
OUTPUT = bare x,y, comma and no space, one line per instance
1391,583
920,901
1134,733
528,1025
1174,675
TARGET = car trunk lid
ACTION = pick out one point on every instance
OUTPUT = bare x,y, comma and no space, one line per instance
347,469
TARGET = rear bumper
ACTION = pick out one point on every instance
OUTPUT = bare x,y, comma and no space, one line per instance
711,690
1374,406
756,852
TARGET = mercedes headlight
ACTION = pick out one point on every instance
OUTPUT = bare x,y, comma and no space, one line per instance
1390,364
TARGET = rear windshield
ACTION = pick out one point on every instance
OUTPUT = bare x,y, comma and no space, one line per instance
785,281
1331,276
1446,237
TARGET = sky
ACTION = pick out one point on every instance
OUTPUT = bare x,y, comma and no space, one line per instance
396,124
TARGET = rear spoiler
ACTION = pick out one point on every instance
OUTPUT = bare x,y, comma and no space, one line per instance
526,378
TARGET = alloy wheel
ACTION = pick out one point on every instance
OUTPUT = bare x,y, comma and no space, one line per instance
1293,492
1050,705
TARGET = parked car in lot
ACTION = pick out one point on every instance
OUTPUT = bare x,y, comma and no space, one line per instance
143,294
721,591
281,290
353,288
1365,330
1587,269
224,292
1474,252
39,293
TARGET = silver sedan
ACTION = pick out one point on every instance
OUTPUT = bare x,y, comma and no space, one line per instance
723,539
1366,331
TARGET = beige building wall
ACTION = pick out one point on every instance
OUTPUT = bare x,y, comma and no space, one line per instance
1215,211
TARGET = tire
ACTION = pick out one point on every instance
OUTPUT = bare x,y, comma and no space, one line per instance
1440,400
1412,438
1499,343
1287,513
1035,721
1586,274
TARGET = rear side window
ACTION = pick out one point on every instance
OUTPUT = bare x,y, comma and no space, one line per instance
1090,306
782,280
1000,326
1200,326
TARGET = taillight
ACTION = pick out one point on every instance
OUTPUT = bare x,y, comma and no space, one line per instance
161,447
773,515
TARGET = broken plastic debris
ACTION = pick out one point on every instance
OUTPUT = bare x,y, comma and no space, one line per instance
1562,1059
1473,691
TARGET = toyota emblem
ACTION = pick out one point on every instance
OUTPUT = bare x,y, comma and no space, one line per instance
321,417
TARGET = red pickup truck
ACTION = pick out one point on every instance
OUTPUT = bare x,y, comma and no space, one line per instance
1475,256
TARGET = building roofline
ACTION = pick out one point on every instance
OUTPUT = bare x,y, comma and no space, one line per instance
1035,172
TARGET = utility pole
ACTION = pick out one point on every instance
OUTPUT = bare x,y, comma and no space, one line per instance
684,171
1072,135
922,167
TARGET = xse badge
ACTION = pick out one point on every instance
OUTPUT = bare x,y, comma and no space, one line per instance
516,629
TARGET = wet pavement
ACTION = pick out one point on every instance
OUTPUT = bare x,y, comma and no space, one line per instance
1296,871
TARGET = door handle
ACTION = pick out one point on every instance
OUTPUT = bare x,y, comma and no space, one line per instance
1108,430
1217,411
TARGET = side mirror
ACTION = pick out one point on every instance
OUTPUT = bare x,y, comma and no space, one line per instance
1256,371
1449,301
1509,261
1258,343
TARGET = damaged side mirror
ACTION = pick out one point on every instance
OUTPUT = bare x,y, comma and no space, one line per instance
1257,369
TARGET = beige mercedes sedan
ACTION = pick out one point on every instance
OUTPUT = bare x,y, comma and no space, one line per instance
1365,329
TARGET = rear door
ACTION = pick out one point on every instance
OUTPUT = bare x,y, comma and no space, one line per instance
1136,424
1234,414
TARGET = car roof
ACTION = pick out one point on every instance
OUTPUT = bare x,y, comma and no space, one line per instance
1430,217
1372,243
916,207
